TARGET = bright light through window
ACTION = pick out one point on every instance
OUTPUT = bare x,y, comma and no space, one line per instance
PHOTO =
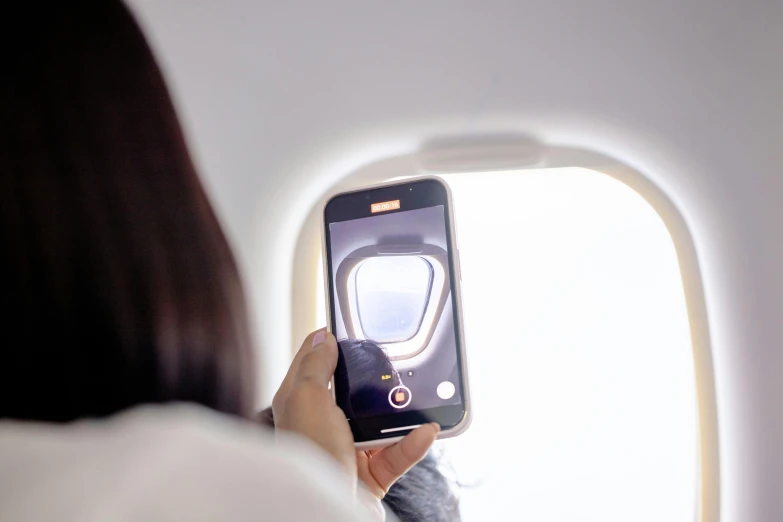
391,294
579,352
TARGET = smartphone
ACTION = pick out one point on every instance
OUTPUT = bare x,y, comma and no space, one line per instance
392,280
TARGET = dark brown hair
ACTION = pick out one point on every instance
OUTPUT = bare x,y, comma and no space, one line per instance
118,286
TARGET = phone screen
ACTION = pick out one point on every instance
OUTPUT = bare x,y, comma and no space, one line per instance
394,312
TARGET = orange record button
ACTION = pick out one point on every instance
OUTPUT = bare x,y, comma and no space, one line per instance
386,205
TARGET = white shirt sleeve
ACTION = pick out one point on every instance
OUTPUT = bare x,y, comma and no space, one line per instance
170,464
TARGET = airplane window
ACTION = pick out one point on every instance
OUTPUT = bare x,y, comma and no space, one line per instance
392,293
579,352
392,297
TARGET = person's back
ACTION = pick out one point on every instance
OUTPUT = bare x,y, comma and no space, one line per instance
165,463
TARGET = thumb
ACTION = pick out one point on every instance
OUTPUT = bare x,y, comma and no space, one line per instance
318,365
392,463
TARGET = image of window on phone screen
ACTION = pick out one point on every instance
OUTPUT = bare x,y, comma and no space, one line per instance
393,286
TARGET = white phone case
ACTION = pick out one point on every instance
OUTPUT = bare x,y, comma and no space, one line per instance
457,295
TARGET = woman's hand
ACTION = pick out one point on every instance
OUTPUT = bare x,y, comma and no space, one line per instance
379,469
305,405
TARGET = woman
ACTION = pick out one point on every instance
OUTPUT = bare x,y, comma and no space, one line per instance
120,290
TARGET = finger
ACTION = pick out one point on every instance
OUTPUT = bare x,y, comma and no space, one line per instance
307,345
318,365
392,463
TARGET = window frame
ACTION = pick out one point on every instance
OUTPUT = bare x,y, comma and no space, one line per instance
309,246
437,258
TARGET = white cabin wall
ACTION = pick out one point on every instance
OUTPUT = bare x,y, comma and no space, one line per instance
280,99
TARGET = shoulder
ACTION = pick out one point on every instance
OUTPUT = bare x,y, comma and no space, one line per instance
170,463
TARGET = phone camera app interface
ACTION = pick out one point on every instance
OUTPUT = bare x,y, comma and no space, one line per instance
393,308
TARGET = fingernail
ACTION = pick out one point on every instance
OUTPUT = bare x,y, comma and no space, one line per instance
319,338
437,427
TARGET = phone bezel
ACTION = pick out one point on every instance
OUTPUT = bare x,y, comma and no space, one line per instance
456,280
